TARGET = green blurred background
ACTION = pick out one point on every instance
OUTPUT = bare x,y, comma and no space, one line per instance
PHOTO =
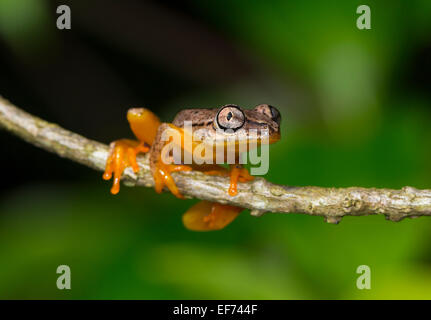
355,106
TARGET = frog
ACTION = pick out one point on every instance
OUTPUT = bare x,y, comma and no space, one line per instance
216,126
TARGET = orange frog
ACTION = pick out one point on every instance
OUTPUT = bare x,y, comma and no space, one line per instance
227,128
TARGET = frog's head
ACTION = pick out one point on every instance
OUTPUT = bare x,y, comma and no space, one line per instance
259,124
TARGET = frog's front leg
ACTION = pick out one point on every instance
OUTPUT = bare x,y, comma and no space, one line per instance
161,165
123,152
237,173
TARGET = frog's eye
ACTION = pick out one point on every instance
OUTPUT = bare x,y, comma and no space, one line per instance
269,111
230,117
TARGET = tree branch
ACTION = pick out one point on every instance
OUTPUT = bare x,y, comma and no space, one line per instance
259,195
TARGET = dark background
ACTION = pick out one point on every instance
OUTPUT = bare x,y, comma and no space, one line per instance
355,106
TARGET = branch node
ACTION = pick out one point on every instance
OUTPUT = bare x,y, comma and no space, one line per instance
257,212
333,219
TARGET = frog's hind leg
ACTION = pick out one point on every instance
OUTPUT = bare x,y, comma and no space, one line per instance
123,152
208,216
144,124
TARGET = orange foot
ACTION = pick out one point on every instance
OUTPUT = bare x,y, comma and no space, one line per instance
122,154
237,174
207,216
162,177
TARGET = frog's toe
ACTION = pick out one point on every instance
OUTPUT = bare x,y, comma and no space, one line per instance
122,154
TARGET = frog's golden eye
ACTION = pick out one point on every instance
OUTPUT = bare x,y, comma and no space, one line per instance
269,111
230,117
